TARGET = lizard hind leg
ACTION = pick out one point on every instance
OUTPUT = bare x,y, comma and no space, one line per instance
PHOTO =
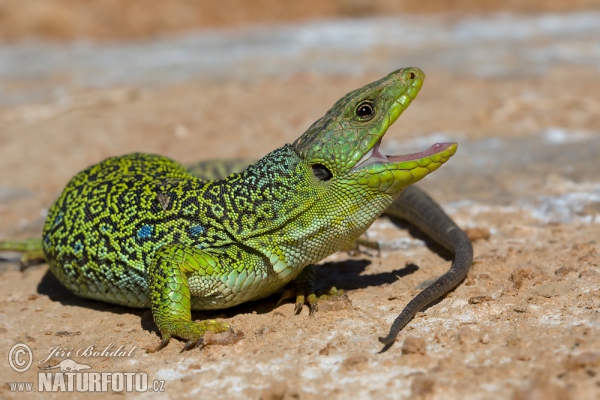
354,248
170,295
302,288
31,249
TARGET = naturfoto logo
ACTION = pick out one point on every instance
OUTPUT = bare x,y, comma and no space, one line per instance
69,375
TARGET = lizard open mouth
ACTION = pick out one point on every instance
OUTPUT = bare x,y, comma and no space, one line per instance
373,156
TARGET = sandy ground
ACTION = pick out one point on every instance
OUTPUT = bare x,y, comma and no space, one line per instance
524,325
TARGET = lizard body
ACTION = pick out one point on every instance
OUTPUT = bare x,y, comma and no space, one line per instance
141,230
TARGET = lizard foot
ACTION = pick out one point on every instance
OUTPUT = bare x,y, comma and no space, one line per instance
354,248
309,297
191,331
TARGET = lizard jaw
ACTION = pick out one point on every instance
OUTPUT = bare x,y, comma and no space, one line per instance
373,156
392,174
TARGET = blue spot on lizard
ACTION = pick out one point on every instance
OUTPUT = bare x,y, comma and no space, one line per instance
196,230
145,232
77,247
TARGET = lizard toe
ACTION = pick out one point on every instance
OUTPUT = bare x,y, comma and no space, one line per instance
163,343
191,344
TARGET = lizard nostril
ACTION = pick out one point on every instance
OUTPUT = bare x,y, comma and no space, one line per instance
411,75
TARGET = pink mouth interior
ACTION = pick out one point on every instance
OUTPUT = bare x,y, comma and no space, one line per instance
436,148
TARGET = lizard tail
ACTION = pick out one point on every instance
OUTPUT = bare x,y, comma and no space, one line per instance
420,210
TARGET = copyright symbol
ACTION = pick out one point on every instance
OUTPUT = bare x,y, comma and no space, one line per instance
20,357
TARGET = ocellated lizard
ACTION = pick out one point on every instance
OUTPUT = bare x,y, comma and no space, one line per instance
141,230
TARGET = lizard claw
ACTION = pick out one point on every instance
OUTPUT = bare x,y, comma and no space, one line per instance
163,343
309,298
313,304
191,344
286,295
303,290
300,299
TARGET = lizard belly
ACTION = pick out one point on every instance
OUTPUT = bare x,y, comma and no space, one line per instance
233,289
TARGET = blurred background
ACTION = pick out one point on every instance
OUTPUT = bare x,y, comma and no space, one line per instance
50,47
516,83
131,19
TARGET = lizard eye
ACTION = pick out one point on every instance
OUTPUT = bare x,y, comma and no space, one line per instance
365,111
321,172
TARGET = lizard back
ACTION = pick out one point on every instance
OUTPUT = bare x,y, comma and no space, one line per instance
102,232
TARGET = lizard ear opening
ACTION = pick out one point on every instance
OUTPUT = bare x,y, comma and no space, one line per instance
321,172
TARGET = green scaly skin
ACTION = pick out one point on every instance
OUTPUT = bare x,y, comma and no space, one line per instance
140,230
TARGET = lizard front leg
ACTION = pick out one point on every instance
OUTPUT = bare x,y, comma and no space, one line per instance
170,294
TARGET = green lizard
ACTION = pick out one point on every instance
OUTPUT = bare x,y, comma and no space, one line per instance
141,230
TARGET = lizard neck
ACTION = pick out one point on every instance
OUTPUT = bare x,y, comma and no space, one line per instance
267,196
278,206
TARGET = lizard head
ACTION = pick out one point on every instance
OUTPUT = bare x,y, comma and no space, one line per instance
343,146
